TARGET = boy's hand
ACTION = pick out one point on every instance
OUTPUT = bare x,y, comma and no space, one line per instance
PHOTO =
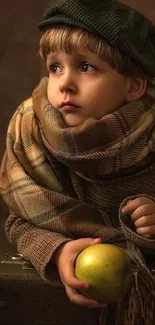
64,259
142,211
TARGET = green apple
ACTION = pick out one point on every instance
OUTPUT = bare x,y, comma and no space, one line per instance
107,268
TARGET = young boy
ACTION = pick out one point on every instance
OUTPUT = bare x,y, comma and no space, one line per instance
79,167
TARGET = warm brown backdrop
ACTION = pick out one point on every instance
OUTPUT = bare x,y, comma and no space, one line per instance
146,7
20,66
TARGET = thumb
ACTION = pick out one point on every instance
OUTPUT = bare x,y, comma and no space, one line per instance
97,241
83,243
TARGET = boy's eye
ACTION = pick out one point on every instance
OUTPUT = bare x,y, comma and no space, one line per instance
55,68
87,68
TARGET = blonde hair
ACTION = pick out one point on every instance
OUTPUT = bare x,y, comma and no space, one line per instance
68,39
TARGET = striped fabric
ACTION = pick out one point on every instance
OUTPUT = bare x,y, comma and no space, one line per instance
65,183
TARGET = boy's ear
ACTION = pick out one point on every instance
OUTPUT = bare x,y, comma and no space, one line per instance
136,88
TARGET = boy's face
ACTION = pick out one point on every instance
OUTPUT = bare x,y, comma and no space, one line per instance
81,86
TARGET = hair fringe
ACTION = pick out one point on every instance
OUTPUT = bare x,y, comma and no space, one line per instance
68,39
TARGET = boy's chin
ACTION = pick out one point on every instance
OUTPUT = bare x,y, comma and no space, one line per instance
73,121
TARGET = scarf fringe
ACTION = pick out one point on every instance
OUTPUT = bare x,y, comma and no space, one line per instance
137,307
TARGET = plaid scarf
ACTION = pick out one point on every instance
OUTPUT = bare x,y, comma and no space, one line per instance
45,162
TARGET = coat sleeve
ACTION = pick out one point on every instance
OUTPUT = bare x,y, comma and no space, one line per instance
36,245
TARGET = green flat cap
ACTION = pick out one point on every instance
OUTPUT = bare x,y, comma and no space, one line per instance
122,26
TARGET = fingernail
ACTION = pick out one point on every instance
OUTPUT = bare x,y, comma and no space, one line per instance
96,239
86,285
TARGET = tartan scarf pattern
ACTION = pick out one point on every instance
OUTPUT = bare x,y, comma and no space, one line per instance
41,169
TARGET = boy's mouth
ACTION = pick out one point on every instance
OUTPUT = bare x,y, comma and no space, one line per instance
67,103
67,106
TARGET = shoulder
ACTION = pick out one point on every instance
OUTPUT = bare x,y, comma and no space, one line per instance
28,104
25,107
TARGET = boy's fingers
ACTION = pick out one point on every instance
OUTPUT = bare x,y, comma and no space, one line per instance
68,271
135,204
146,231
77,284
70,280
83,243
145,221
81,300
144,211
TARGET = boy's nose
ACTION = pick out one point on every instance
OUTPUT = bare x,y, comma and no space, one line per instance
67,83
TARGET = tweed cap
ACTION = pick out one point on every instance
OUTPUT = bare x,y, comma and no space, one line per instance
119,24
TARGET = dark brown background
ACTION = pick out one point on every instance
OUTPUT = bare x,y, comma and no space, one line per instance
20,65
